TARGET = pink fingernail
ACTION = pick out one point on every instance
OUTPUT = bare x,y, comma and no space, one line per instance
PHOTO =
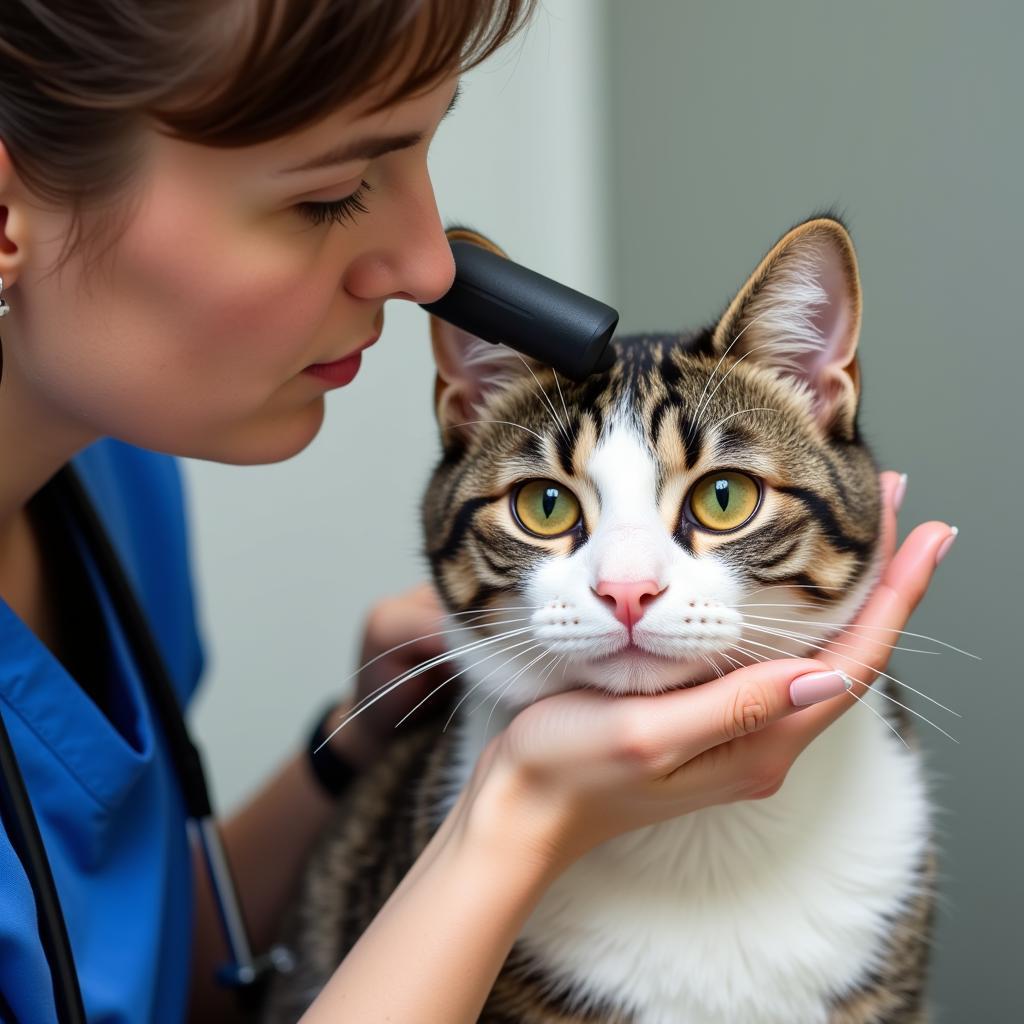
946,545
900,492
816,686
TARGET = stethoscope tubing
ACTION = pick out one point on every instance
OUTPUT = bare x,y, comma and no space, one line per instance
22,830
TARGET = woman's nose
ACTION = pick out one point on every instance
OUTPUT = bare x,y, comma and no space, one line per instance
414,261
428,277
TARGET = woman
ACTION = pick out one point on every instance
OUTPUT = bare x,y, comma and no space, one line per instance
203,210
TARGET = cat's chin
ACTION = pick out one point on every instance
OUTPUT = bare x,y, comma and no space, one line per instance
633,670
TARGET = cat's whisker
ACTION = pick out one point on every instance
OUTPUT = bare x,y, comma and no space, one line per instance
882,718
497,608
487,696
778,604
544,678
507,423
732,661
565,408
416,640
475,618
752,655
715,668
817,645
789,586
839,643
778,412
563,660
487,725
725,355
546,398
861,625
481,681
493,654
425,666
443,632
707,403
479,622
916,714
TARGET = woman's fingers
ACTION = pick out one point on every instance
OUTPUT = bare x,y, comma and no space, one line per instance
893,488
670,728
868,644
891,604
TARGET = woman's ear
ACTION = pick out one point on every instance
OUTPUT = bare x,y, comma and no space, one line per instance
14,220
468,368
799,314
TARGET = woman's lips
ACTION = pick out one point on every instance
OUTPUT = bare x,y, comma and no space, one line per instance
341,371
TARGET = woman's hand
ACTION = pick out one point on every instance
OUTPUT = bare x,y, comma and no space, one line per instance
584,767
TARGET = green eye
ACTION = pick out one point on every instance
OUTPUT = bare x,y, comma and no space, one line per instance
545,508
723,501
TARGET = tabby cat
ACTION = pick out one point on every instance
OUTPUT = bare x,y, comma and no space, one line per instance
706,503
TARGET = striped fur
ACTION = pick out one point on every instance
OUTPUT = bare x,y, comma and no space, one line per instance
631,444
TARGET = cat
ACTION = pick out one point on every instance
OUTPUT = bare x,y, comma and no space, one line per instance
706,503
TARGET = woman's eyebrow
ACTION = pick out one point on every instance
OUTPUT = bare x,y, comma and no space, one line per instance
367,149
362,149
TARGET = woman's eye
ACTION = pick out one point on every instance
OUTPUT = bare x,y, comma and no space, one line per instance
338,210
545,508
724,501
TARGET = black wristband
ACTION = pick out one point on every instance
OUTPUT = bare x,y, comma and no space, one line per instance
334,773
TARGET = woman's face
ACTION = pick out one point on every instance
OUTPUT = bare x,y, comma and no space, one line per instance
196,334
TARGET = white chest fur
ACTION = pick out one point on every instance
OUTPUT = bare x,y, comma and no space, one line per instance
757,911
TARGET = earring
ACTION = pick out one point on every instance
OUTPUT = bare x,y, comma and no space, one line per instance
4,308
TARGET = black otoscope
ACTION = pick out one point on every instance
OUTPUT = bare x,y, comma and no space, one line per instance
500,301
492,298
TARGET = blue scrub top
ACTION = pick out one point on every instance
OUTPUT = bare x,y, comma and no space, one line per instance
108,805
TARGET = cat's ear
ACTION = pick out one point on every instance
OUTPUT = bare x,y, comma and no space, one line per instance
799,314
469,369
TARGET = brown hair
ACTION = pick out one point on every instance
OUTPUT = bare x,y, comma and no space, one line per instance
78,81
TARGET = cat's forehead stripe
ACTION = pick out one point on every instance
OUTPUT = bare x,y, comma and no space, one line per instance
623,470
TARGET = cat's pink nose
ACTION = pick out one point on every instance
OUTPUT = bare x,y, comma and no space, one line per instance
628,598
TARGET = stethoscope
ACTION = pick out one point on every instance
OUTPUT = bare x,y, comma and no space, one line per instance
492,298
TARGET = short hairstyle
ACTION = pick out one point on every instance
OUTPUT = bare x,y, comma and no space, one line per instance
78,81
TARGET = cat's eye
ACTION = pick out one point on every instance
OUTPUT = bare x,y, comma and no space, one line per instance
545,508
724,500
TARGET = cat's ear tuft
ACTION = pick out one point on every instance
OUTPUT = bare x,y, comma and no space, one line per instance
468,369
799,314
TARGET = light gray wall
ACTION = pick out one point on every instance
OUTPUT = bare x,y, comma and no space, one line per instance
288,557
732,121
